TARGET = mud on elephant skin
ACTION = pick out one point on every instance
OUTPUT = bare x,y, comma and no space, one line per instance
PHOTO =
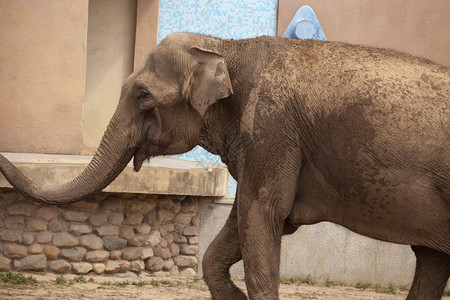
312,131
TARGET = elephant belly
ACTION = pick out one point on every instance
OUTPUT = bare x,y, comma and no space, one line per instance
314,200
407,210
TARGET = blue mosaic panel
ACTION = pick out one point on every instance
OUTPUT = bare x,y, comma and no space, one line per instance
235,19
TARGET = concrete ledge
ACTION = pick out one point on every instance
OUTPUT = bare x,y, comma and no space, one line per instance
227,201
160,175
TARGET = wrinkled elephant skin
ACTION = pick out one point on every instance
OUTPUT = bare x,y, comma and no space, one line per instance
312,131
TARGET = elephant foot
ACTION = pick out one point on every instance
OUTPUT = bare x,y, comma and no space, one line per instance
232,293
432,273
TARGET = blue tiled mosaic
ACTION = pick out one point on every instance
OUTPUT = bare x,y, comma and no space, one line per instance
223,19
236,19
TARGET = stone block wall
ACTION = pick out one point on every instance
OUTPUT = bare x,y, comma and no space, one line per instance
110,233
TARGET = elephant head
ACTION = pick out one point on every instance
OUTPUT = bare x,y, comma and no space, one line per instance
160,111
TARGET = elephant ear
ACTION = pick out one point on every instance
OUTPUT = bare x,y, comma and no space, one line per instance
208,80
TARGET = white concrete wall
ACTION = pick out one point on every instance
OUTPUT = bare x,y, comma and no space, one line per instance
329,251
325,251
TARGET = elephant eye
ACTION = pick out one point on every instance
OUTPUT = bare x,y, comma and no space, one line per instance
145,100
143,94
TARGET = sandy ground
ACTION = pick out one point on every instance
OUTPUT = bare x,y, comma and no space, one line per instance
166,288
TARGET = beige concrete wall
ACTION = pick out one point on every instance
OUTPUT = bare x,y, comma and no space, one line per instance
42,75
110,59
414,26
62,65
146,30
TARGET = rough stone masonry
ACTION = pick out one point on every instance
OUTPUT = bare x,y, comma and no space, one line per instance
110,233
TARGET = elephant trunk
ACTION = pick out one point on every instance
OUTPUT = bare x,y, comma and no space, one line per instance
115,151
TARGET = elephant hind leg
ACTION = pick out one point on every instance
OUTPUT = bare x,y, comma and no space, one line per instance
223,252
432,273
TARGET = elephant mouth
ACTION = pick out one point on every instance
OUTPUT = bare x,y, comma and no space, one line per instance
151,140
139,157
143,152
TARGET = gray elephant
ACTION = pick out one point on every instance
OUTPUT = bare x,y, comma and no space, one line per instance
312,131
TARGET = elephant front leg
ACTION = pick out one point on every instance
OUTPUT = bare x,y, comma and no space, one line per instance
265,200
223,252
261,238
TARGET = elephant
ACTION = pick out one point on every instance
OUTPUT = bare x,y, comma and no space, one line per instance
312,131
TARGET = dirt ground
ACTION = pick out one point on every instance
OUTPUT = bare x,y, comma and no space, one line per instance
166,288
